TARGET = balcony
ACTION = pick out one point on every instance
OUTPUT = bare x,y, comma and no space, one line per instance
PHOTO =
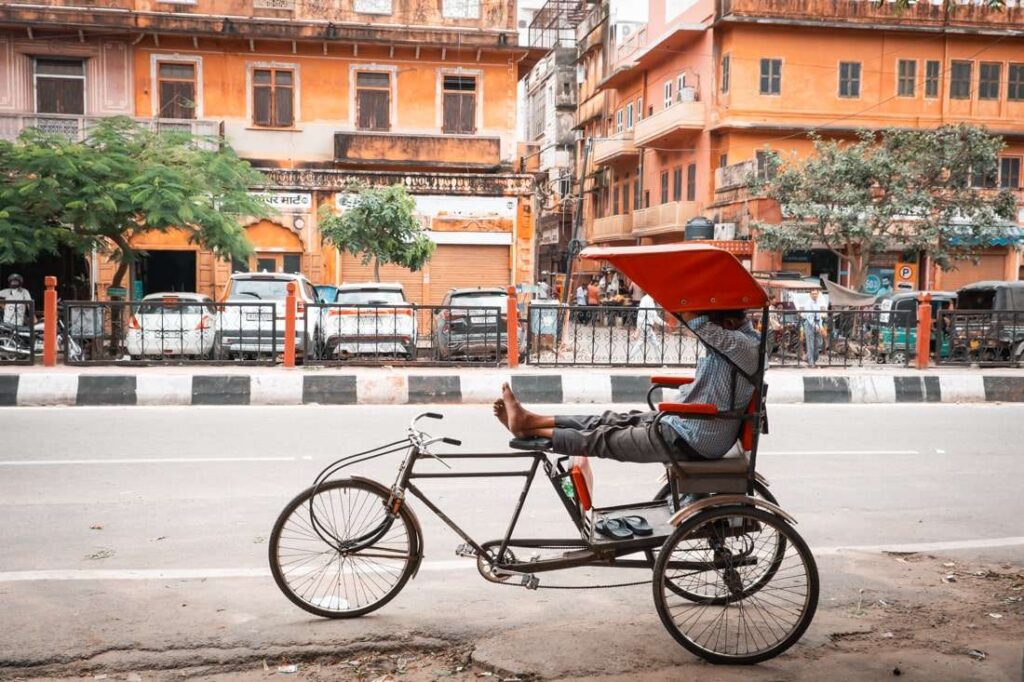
670,217
733,176
77,127
919,16
612,228
615,148
671,125
360,148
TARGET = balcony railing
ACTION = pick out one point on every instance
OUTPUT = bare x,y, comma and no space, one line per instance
630,46
917,16
679,119
733,176
616,147
423,151
77,127
664,218
612,227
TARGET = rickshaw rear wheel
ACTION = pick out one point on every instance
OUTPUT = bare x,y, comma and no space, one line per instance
744,626
320,578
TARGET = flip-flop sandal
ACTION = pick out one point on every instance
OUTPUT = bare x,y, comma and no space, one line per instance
615,529
637,524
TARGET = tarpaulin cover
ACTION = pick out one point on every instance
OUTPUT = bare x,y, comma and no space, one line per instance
848,298
685,277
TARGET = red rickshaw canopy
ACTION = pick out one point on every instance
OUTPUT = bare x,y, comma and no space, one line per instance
685,277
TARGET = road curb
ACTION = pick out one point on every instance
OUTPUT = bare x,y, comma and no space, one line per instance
396,388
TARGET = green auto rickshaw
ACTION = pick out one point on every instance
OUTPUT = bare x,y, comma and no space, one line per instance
897,339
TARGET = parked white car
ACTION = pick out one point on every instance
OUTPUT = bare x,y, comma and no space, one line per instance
252,316
173,324
371,318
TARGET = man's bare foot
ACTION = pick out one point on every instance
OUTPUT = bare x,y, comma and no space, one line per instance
521,422
500,413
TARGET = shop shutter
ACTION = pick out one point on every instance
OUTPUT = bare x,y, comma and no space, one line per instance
990,266
353,272
456,265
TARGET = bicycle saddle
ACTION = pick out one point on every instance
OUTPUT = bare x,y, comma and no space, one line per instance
535,443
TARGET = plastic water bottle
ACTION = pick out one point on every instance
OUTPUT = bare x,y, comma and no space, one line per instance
568,489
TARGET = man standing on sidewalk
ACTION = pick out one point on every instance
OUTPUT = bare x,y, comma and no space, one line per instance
16,299
813,323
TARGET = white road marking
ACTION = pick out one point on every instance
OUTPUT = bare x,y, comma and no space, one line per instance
430,566
826,453
154,460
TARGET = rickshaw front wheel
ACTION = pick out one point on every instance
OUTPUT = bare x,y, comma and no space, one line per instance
720,552
336,551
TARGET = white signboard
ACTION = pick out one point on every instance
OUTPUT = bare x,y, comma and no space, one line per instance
273,4
287,201
435,205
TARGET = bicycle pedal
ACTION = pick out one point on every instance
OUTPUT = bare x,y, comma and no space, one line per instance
530,581
465,550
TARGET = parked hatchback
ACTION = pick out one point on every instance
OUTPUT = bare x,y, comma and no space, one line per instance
370,318
172,325
252,319
471,324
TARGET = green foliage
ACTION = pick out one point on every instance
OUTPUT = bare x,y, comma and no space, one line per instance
381,227
122,181
898,190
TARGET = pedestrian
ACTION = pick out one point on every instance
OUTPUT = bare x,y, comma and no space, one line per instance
649,326
594,292
635,293
543,289
16,299
581,315
813,326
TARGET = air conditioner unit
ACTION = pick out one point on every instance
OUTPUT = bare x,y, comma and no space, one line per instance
725,231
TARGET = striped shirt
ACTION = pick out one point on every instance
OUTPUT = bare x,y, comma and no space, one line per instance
712,383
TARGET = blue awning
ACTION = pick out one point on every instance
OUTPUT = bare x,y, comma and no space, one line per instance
1010,235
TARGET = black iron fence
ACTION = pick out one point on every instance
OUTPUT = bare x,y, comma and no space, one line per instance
19,338
983,337
638,337
406,333
171,331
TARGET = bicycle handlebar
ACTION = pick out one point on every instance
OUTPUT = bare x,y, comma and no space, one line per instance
451,441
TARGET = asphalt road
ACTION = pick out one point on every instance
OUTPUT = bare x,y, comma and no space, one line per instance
136,537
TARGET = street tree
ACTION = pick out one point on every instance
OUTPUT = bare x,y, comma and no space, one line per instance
926,192
119,183
380,226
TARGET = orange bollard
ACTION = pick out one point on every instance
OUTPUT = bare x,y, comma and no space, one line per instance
512,328
924,330
289,326
49,322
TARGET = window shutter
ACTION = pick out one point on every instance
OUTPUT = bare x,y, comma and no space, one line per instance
459,113
373,110
283,97
261,106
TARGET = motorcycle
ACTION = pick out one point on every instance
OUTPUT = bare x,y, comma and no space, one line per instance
21,342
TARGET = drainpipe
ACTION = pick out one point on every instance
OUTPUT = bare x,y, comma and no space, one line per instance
638,200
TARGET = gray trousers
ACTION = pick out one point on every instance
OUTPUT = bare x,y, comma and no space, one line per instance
622,436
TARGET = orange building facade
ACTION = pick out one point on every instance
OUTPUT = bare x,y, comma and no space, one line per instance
319,96
697,100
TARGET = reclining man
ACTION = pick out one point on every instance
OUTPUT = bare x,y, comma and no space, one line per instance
631,437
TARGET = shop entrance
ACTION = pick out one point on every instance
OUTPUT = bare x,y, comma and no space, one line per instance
161,271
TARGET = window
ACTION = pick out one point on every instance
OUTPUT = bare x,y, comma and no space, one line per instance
677,184
723,160
538,106
725,73
664,187
615,200
273,97
680,86
691,182
636,192
931,79
849,79
1009,172
461,9
373,6
629,116
639,108
1015,82
771,76
459,105
906,84
625,195
668,94
960,81
988,80
177,90
373,100
767,162
618,121
60,86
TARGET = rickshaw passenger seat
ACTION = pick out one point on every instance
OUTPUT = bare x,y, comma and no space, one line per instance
533,444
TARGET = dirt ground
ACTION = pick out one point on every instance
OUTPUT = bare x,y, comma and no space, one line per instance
924,618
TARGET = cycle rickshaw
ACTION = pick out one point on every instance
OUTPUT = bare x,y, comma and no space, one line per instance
733,581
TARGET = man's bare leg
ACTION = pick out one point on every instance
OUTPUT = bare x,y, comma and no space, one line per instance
500,413
520,421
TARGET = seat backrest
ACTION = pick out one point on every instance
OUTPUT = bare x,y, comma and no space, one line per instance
747,430
582,480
